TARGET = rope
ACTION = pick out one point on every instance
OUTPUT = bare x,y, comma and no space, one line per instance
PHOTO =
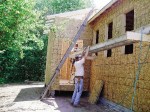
138,71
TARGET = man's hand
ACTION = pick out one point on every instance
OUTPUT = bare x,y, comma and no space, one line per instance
91,57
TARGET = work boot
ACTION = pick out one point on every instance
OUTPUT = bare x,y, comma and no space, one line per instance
71,103
77,105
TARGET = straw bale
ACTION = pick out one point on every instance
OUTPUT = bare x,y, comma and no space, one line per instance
112,71
129,82
144,84
105,70
118,70
124,59
118,98
122,91
125,71
135,108
114,92
117,60
145,71
94,96
93,78
112,79
143,95
91,87
145,45
142,57
143,108
121,81
96,70
143,49
131,58
105,92
105,78
110,91
127,104
131,69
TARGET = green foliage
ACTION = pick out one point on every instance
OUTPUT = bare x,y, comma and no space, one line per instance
23,46
21,29
59,6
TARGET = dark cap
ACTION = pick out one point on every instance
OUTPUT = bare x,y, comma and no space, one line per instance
78,56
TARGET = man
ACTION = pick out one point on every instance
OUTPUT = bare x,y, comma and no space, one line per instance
75,49
79,73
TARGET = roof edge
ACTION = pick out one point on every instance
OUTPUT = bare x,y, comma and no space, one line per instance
68,13
102,10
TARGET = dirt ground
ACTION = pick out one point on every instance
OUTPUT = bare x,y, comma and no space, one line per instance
25,98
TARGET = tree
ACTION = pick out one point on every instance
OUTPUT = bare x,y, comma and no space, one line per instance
59,6
23,45
19,26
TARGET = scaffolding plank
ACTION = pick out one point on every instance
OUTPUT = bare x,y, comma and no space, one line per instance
128,38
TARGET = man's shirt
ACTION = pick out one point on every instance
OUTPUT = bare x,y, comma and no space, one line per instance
79,67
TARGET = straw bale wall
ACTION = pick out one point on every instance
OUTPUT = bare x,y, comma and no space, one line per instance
119,71
53,55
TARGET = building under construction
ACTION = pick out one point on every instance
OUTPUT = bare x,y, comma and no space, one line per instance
119,34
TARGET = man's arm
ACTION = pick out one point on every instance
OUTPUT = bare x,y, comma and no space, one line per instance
91,57
86,54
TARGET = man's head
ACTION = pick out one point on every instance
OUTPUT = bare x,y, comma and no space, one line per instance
76,45
78,57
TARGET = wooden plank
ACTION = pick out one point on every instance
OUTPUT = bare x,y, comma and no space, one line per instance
128,38
137,37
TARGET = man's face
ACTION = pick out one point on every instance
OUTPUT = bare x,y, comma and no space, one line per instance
80,58
76,45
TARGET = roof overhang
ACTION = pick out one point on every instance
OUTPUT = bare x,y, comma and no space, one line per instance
69,14
102,10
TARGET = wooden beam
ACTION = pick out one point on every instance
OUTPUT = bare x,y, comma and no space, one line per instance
128,38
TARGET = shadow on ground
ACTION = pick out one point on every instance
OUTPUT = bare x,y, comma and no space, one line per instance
61,103
29,94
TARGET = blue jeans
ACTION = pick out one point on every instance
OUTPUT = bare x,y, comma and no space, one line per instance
77,91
